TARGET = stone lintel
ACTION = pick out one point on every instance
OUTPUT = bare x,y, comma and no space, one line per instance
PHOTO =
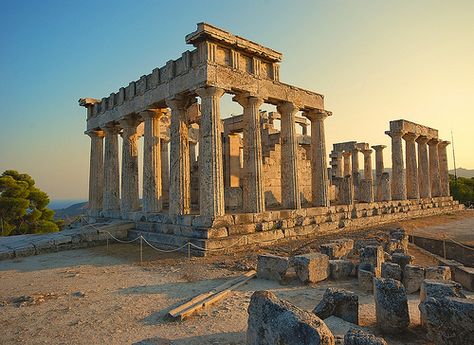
379,147
207,32
407,126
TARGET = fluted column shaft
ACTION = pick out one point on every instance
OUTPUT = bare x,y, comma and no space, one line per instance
411,166
96,172
340,166
165,171
379,167
180,173
152,184
319,171
355,161
367,164
211,177
347,163
111,199
130,200
435,179
443,167
253,194
399,190
423,168
290,194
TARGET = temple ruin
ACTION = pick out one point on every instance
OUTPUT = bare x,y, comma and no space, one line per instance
224,184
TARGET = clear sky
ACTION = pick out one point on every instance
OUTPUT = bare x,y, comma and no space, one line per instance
374,61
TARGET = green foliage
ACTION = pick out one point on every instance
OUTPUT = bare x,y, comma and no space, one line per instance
462,189
23,206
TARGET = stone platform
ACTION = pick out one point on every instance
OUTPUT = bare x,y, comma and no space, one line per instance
233,232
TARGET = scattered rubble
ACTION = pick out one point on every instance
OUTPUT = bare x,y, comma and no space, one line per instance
312,267
272,267
391,270
338,249
438,272
341,269
391,305
413,276
339,302
359,337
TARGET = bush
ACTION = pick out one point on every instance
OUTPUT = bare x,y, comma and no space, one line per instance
462,189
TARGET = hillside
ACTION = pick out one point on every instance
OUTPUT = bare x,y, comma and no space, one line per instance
71,211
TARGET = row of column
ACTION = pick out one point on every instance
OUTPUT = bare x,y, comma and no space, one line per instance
104,194
426,174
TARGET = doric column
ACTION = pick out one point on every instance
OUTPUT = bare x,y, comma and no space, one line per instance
96,172
355,171
423,168
253,193
399,189
111,199
338,168
443,167
211,177
152,185
435,180
379,167
232,161
192,152
411,166
367,164
347,162
180,173
319,172
290,194
129,192
165,171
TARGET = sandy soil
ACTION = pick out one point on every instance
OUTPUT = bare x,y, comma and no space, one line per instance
105,296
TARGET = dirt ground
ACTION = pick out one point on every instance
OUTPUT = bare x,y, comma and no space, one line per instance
106,296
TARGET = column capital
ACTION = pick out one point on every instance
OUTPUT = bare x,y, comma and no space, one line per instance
153,113
129,122
410,136
111,128
433,142
346,154
444,143
210,91
287,107
422,139
246,99
378,147
95,133
316,114
367,152
179,102
393,134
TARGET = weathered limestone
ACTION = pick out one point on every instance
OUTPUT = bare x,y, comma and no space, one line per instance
96,172
449,320
379,167
180,179
129,185
402,259
365,277
341,269
366,191
289,160
438,288
398,242
347,163
211,195
399,190
413,276
443,167
438,272
391,305
411,166
434,167
165,171
312,267
273,321
253,194
373,256
346,191
359,337
319,174
339,302
391,270
337,249
232,161
152,184
111,199
367,164
386,187
272,267
338,167
423,167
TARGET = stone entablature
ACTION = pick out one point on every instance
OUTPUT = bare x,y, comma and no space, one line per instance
405,126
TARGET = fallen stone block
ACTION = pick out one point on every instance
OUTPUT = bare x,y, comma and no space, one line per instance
400,238
341,269
449,320
438,272
272,267
337,249
391,305
312,267
365,278
273,321
374,256
413,276
359,244
359,337
391,270
402,259
339,302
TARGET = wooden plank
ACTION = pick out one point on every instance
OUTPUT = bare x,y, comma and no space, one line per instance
203,296
214,298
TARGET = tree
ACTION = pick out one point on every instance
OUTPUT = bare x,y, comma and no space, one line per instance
23,207
462,189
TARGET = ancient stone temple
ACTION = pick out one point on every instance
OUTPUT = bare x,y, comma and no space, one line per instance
227,182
